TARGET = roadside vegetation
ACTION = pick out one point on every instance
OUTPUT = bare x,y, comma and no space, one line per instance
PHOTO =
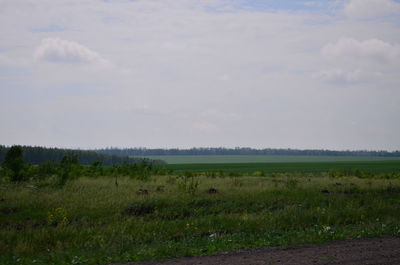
93,214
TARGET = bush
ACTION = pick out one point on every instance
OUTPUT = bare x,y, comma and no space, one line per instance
291,184
259,174
14,163
188,184
57,216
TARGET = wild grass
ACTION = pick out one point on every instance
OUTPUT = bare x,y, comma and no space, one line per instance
93,221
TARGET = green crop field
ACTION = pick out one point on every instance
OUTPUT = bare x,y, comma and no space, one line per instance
216,159
295,167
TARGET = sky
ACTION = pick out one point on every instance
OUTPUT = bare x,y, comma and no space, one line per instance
200,73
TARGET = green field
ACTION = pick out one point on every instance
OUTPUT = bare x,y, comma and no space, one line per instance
392,166
93,221
224,159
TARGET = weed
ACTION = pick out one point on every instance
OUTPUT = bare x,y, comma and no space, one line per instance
57,216
258,173
171,180
291,183
142,192
188,184
237,182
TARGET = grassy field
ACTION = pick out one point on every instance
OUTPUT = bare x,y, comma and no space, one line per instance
94,221
224,159
292,167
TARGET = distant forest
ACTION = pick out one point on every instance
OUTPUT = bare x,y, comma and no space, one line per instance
117,156
131,152
38,155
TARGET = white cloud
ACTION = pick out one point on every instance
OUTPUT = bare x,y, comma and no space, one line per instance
342,77
353,61
205,127
57,50
373,49
371,8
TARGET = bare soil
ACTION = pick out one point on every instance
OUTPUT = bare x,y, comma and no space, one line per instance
381,251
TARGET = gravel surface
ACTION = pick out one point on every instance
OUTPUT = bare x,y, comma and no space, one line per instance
381,251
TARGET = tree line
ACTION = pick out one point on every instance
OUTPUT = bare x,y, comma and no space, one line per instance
37,155
241,151
14,168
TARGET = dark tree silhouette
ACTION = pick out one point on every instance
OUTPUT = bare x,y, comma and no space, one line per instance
131,152
37,155
14,163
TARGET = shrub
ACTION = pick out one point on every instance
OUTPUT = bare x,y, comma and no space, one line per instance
259,174
57,216
188,184
292,184
14,163
233,174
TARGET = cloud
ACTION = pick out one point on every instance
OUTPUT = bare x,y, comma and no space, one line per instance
341,77
57,50
373,49
371,8
354,61
205,127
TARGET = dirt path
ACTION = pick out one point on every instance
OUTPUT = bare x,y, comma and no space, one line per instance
383,251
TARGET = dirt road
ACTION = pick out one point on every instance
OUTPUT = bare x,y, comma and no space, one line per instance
382,251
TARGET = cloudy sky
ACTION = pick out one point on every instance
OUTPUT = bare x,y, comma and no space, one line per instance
184,73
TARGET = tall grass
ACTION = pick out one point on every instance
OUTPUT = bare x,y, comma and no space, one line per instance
93,221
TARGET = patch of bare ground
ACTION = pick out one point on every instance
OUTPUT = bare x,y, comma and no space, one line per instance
381,251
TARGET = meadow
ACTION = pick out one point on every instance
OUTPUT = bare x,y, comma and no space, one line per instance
96,220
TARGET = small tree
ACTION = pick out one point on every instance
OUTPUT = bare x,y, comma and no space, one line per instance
14,163
68,162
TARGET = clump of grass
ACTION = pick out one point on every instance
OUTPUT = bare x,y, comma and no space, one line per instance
188,183
57,216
